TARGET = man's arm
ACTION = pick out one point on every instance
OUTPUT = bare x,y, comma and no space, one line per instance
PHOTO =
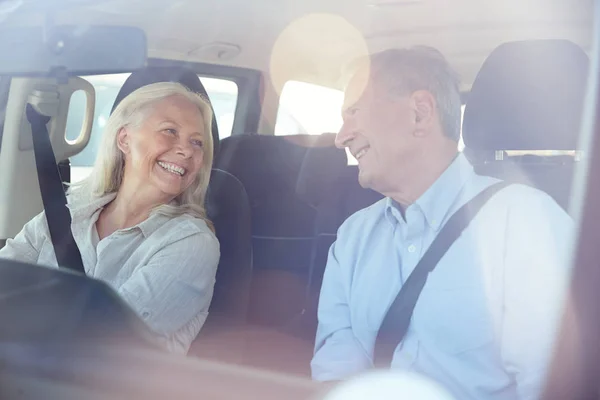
338,354
538,249
175,286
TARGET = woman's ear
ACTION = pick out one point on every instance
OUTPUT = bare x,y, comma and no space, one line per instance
123,140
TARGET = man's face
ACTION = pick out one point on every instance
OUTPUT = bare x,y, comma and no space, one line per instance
379,130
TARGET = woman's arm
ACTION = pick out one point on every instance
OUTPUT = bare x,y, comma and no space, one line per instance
27,244
174,287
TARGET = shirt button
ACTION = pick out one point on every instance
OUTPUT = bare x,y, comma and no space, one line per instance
411,248
145,314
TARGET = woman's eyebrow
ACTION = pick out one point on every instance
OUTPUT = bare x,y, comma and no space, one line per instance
168,121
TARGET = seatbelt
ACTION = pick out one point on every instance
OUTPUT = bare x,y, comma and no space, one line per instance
53,195
397,319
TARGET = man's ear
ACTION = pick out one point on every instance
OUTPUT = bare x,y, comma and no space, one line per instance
123,140
424,108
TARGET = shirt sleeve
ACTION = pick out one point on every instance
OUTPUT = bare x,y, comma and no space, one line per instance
537,258
27,244
174,287
338,353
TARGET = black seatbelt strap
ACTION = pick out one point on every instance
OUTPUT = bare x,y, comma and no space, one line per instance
397,319
53,195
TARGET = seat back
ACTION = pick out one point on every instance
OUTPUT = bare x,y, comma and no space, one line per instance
228,207
320,185
528,96
283,223
334,191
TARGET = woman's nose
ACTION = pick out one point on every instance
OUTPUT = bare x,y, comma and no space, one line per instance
184,149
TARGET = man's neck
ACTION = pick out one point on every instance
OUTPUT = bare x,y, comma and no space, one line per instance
424,175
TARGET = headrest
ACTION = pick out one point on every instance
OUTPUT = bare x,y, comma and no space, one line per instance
274,162
320,171
299,164
527,96
184,76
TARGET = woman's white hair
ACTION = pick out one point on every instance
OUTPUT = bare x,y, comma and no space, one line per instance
107,174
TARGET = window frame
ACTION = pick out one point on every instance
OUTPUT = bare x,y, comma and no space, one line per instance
248,107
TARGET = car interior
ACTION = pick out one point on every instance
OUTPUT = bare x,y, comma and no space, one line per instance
276,197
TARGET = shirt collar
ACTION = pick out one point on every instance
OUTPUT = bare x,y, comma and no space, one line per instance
437,201
83,210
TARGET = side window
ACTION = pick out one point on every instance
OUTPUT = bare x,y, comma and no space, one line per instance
308,108
223,96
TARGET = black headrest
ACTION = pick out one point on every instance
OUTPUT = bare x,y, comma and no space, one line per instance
299,164
527,96
321,170
274,163
184,76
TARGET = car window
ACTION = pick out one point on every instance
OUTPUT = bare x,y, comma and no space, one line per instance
223,94
308,108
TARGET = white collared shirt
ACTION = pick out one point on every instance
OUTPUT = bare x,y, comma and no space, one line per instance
164,267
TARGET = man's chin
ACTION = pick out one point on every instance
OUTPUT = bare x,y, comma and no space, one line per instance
364,180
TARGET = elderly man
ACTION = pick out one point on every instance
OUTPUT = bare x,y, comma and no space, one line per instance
485,320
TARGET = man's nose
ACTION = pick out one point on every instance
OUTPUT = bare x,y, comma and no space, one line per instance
344,136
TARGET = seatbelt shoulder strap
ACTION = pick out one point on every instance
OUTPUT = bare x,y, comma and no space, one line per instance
397,319
53,195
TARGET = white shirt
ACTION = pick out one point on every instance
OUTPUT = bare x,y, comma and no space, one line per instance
485,322
164,267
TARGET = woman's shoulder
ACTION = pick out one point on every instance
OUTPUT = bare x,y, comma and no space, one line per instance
187,237
192,223
185,226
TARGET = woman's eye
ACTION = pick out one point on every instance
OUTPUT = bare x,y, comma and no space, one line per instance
197,143
171,131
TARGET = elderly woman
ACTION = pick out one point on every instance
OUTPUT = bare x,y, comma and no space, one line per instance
138,219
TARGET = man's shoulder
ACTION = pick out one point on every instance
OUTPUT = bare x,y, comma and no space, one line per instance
523,207
364,218
522,196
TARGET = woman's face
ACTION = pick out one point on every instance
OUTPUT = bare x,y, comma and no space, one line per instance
163,155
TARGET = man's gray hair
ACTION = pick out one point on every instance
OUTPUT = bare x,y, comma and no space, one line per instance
405,71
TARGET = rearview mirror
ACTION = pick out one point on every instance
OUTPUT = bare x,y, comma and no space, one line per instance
71,50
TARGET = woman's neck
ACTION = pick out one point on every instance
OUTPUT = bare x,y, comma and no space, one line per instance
129,208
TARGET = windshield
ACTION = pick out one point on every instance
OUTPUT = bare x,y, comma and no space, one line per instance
392,185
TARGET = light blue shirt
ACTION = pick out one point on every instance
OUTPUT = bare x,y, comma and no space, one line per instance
485,323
